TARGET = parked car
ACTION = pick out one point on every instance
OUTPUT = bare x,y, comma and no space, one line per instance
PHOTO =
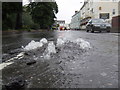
62,28
97,25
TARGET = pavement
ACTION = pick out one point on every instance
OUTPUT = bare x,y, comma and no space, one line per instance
71,67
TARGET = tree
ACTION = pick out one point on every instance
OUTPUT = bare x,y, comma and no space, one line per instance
27,21
43,13
12,15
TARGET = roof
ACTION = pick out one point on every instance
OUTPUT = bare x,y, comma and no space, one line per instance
83,5
75,13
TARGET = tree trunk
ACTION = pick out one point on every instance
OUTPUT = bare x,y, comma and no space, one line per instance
19,16
18,21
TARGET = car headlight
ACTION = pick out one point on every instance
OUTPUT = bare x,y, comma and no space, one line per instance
97,25
108,25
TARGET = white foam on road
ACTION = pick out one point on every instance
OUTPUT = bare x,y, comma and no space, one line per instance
51,47
49,50
60,42
83,44
44,41
34,45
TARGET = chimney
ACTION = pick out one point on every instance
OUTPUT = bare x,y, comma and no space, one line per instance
76,11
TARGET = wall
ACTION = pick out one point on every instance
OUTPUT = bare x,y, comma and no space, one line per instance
116,24
75,21
107,6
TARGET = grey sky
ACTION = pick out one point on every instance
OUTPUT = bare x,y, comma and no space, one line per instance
67,8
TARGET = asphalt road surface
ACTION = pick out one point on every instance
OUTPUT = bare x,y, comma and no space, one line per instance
71,67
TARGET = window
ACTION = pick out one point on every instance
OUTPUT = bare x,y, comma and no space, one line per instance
92,10
114,0
100,8
83,13
98,21
113,11
104,15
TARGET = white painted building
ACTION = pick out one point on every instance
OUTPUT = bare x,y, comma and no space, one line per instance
75,21
60,22
105,9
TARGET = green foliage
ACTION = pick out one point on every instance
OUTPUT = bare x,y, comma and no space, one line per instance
34,16
43,13
35,26
58,25
11,15
27,20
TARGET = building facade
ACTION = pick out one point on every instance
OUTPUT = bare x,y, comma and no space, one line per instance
75,21
60,22
104,9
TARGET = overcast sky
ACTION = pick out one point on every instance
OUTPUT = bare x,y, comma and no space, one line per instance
67,8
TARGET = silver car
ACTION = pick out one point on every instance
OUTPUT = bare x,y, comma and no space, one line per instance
97,25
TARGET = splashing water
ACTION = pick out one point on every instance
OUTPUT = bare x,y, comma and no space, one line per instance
34,45
44,41
49,50
83,44
3,65
51,46
60,42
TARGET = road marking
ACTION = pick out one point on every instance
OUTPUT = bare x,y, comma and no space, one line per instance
3,65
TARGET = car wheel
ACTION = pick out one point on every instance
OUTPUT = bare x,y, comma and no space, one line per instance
91,29
100,31
108,30
87,30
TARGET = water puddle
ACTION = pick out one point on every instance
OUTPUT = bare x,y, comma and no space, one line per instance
60,56
3,65
62,45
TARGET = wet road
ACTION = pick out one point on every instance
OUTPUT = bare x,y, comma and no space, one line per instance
14,40
71,67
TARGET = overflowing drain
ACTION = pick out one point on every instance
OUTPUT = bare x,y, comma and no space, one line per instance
49,49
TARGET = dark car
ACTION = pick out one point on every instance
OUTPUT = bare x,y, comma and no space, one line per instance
97,25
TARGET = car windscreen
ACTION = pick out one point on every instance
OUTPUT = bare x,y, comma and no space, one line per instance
98,21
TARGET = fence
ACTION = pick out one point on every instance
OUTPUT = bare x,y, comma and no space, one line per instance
116,24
